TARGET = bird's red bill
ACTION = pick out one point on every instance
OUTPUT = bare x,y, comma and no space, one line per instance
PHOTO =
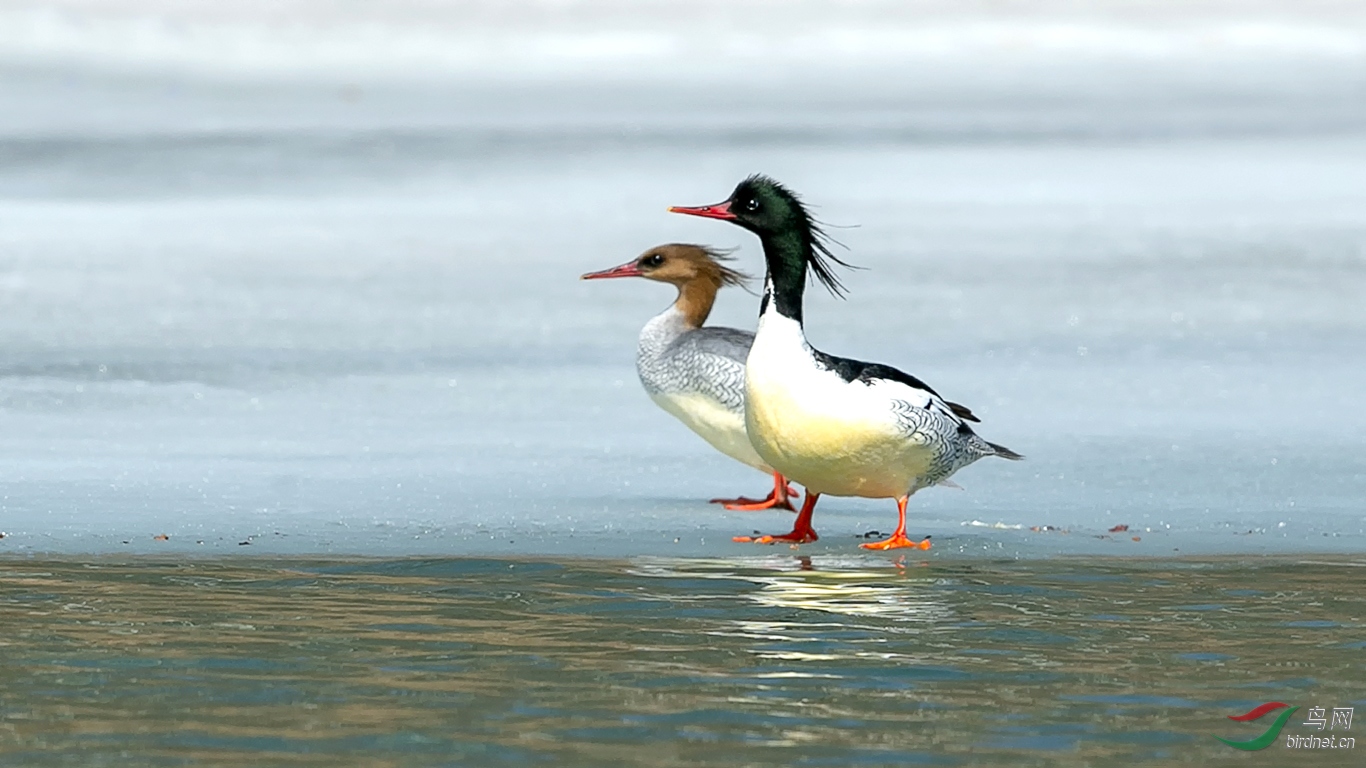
718,211
629,269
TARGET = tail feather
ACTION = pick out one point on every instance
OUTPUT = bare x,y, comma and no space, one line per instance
1004,452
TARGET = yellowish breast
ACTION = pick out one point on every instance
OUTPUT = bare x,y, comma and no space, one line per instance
721,427
832,436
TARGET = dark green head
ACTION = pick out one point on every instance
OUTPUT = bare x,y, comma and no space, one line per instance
793,242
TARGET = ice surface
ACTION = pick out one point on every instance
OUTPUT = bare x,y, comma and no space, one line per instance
266,303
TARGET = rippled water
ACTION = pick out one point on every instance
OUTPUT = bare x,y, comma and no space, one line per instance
781,660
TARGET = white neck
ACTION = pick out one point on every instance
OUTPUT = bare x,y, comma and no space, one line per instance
779,337
660,332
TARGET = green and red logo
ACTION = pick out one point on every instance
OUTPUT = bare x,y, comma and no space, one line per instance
1269,735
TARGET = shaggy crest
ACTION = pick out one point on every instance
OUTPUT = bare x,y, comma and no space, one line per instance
726,275
821,259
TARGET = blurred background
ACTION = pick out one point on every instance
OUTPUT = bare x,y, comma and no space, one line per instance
303,274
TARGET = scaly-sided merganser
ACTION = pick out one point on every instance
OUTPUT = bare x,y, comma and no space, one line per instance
696,373
837,426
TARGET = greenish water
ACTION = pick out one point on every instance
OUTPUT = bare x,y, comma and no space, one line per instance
775,660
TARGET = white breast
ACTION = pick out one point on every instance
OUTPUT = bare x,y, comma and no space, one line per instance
830,435
721,427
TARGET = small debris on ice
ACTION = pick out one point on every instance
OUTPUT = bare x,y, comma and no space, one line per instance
1119,529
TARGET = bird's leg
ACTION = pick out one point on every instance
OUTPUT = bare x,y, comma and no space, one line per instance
898,539
777,499
801,532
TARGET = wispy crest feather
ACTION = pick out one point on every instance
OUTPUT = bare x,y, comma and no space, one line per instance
727,275
821,259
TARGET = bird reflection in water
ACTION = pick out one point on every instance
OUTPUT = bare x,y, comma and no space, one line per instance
849,585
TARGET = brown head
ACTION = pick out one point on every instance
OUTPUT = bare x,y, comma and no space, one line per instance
677,263
696,270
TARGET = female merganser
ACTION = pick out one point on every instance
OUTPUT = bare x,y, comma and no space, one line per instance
696,373
837,426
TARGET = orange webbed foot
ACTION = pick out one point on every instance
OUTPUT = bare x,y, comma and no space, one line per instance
778,498
744,504
795,537
801,533
898,541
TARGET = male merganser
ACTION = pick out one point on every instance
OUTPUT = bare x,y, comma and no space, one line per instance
697,374
837,426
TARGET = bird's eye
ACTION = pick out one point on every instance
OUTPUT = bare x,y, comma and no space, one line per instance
750,204
653,260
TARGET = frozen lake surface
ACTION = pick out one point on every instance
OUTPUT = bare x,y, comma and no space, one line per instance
327,317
